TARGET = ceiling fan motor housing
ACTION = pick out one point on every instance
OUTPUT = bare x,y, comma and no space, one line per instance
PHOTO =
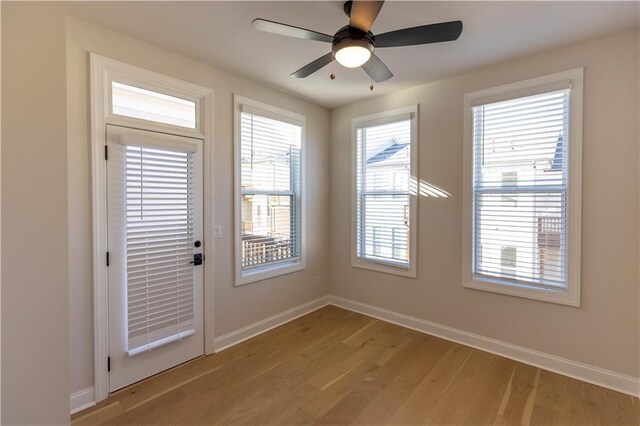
349,36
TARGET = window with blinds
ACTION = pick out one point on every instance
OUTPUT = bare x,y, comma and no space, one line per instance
270,191
383,198
159,246
520,189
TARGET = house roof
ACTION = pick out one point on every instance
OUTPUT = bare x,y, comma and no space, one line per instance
556,164
387,152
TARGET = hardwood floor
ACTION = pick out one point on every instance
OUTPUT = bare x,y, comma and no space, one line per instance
338,367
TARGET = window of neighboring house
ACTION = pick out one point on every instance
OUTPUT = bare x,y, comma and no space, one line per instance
269,146
524,191
384,206
508,260
509,180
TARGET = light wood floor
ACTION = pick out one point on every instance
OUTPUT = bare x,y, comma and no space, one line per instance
337,367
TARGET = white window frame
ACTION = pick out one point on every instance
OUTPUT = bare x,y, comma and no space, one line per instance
570,295
103,71
243,277
410,112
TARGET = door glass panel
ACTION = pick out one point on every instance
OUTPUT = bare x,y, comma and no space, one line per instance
159,247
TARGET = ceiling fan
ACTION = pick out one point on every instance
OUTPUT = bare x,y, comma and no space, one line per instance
354,44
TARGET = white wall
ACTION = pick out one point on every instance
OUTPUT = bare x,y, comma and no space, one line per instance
605,331
35,299
235,307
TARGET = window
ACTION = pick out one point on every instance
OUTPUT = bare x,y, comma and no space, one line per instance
269,234
384,205
523,156
508,259
509,180
136,102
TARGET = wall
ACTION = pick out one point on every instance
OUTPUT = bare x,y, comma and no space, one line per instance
605,331
234,307
35,302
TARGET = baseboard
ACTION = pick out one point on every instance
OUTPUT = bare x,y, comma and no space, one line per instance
252,330
83,399
587,373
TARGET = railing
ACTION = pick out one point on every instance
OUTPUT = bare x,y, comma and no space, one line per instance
258,250
549,231
549,235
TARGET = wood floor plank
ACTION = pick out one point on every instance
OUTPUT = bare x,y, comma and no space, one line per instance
219,406
403,373
339,367
420,404
517,403
563,400
353,403
483,403
313,409
450,406
100,415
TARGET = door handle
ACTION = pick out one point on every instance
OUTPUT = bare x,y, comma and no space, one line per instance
198,258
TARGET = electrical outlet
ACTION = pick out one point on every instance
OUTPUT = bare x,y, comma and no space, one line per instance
317,280
217,232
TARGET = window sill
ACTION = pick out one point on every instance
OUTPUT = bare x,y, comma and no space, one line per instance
266,272
562,297
385,268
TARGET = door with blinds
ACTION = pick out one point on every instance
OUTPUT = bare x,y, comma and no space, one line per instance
155,254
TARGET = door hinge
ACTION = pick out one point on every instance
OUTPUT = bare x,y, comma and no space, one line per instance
106,152
107,258
108,363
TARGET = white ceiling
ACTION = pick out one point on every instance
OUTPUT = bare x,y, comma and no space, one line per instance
220,34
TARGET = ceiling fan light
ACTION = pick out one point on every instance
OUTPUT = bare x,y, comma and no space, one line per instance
353,56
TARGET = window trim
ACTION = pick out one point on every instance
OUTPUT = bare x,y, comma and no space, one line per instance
376,119
571,294
243,277
159,84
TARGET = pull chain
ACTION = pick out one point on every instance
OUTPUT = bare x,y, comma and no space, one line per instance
332,76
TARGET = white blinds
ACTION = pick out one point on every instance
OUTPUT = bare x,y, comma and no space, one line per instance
270,190
520,168
383,193
159,246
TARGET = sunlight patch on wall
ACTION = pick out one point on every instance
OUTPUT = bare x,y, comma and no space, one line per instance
425,189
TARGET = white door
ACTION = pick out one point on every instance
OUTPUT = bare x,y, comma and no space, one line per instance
155,279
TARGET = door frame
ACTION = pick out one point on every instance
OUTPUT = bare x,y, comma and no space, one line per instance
103,71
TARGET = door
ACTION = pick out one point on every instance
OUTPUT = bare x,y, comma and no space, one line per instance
155,279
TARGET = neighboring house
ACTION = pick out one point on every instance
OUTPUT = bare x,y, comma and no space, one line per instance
387,171
511,251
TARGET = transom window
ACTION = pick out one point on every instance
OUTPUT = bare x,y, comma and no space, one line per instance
384,203
269,236
136,102
521,205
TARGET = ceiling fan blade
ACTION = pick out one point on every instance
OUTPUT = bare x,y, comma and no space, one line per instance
364,13
314,66
432,33
289,30
377,70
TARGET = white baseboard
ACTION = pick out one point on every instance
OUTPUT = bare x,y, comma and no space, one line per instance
82,399
252,330
587,373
